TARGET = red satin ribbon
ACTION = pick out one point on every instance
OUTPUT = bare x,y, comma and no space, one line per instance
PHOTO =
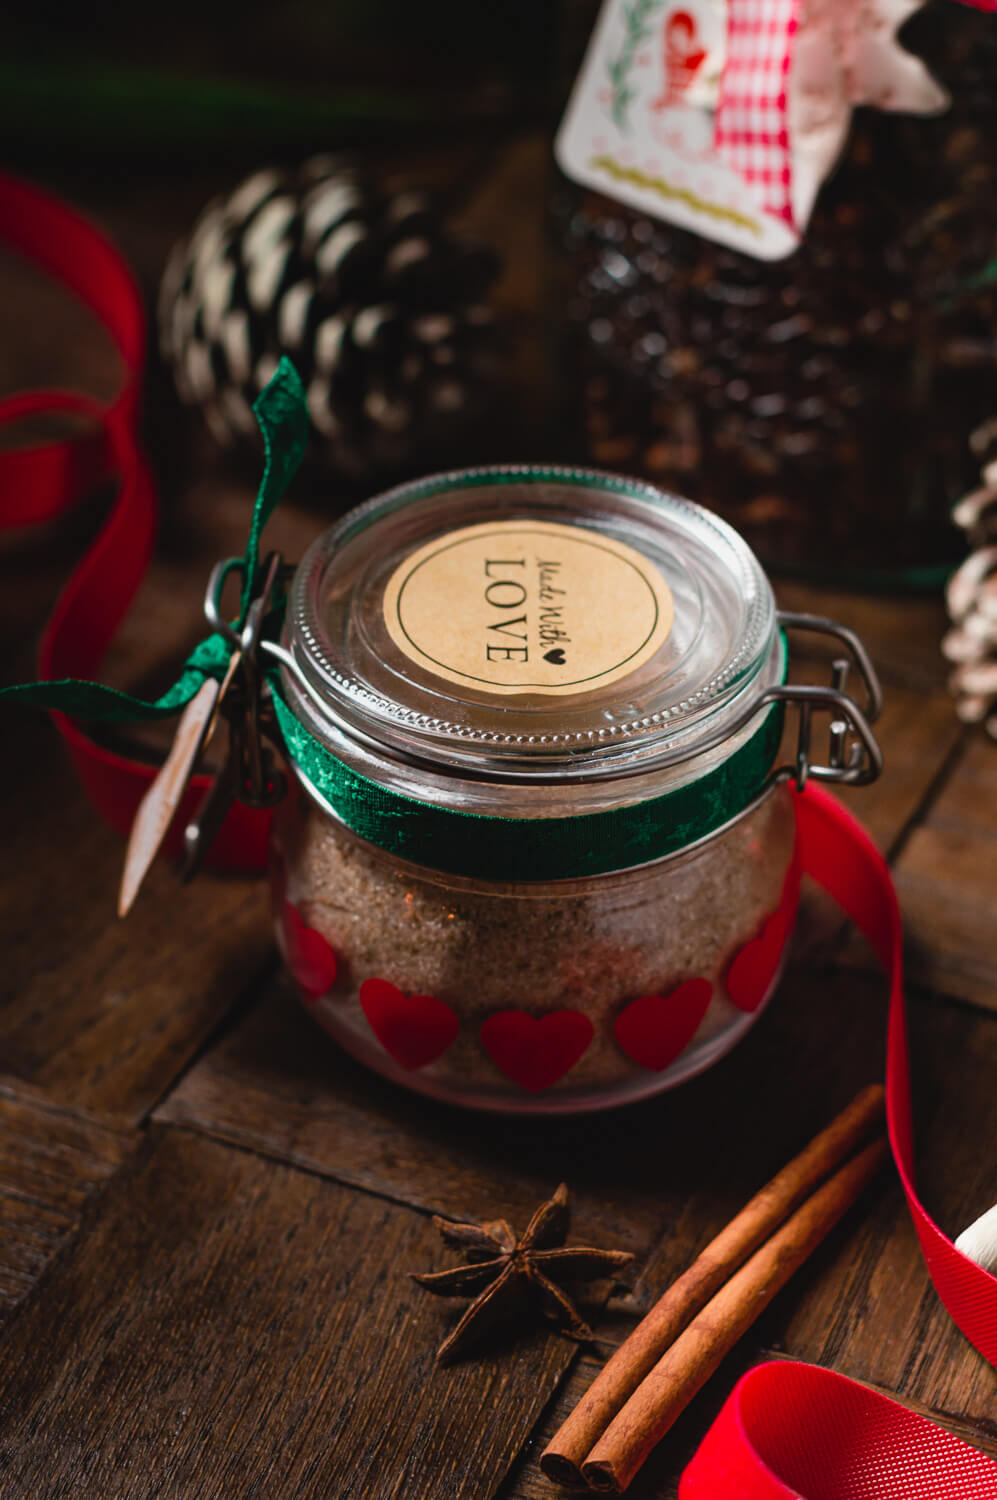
790,1431
38,483
787,1429
793,1430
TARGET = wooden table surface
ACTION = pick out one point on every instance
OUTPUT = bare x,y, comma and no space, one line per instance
207,1213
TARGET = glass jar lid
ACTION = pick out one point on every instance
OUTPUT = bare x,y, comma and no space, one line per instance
531,622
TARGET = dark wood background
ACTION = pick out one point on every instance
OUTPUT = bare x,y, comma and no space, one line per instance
207,1213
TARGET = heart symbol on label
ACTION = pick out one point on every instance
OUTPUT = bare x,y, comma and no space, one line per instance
309,957
654,1030
754,966
556,655
412,1029
535,1051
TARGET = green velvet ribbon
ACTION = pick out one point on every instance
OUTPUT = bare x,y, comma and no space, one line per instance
522,849
473,844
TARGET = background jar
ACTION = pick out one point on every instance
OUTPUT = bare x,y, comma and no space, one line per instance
822,403
527,900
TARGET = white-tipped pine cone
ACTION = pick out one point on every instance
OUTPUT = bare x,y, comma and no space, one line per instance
971,595
380,307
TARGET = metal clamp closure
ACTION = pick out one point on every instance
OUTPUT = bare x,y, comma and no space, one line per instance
251,773
854,757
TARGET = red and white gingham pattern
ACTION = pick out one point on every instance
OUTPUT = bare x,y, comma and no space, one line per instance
751,131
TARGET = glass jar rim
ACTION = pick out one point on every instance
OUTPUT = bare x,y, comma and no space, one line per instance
715,661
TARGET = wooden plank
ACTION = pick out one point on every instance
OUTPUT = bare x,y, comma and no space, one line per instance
686,1161
103,1015
234,1326
901,634
50,1164
946,877
278,1086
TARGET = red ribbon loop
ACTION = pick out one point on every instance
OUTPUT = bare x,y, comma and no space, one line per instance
790,1431
39,482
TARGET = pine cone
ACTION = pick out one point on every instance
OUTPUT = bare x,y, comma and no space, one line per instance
379,307
971,595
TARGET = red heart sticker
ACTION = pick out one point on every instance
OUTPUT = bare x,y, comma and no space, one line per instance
535,1051
654,1029
309,957
413,1029
754,966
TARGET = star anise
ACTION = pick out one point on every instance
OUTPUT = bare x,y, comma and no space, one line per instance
505,1275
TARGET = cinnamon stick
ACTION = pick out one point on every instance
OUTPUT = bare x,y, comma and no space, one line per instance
616,1383
696,1353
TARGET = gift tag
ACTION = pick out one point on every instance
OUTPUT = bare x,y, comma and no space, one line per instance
724,116
159,805
643,117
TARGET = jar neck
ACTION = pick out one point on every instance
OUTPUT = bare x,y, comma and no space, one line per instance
549,832
575,786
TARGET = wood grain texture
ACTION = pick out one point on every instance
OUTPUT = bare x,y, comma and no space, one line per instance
101,1014
685,1162
947,880
277,1085
50,1165
901,634
233,1327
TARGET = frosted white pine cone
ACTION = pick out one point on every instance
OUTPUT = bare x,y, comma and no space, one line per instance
382,309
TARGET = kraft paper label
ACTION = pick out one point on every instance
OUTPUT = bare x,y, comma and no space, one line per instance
528,607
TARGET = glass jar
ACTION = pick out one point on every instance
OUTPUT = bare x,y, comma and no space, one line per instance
540,854
822,403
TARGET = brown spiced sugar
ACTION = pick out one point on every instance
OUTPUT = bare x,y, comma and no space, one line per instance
588,945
